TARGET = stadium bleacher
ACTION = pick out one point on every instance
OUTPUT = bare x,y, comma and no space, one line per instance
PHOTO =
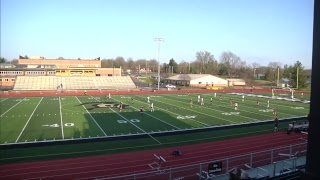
73,83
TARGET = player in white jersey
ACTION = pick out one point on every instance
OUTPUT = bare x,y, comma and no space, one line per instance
215,95
268,104
242,97
235,106
151,107
198,98
148,99
202,102
109,96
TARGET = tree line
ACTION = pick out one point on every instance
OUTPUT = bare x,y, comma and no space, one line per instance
229,65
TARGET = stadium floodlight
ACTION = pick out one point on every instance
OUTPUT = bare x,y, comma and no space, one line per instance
159,40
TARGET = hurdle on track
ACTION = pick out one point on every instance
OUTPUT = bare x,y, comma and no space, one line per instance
159,163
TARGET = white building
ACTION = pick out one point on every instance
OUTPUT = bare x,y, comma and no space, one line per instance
198,80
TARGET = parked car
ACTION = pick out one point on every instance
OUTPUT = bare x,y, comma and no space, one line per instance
170,86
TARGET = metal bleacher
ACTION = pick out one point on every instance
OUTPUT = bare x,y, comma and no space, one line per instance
73,83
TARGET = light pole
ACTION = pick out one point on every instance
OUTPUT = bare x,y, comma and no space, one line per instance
254,74
159,40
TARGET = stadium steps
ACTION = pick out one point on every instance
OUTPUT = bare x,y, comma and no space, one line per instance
72,83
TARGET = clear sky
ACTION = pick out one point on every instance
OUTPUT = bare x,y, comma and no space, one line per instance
256,30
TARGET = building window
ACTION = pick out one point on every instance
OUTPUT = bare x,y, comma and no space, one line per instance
12,80
6,80
199,82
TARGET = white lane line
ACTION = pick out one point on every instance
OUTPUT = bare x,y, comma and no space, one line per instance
12,107
29,119
136,126
92,117
130,122
62,133
152,116
217,111
200,112
180,115
3,99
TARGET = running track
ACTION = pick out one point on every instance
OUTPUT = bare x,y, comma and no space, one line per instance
135,162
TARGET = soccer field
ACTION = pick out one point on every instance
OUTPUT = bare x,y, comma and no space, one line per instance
70,117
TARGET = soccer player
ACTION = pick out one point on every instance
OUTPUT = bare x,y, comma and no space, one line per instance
302,95
141,110
132,100
85,92
235,106
191,102
242,97
198,98
268,104
202,102
120,106
276,122
230,101
151,107
274,112
220,96
215,95
211,100
148,99
258,103
109,96
188,93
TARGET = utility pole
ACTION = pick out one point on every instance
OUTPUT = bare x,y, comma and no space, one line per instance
146,67
278,76
297,77
159,40
189,67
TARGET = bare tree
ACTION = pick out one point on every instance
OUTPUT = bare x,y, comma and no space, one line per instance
232,63
119,61
183,67
206,62
130,64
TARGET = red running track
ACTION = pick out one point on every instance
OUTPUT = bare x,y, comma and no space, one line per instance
136,162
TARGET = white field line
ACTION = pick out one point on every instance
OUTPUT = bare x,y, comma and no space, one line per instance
203,113
273,104
180,115
216,110
130,122
262,114
12,107
28,120
62,133
135,126
152,116
91,117
3,99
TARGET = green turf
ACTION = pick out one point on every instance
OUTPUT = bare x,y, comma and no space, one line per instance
56,118
53,118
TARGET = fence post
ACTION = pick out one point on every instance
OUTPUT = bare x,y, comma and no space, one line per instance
271,156
274,169
250,160
227,165
200,171
170,173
